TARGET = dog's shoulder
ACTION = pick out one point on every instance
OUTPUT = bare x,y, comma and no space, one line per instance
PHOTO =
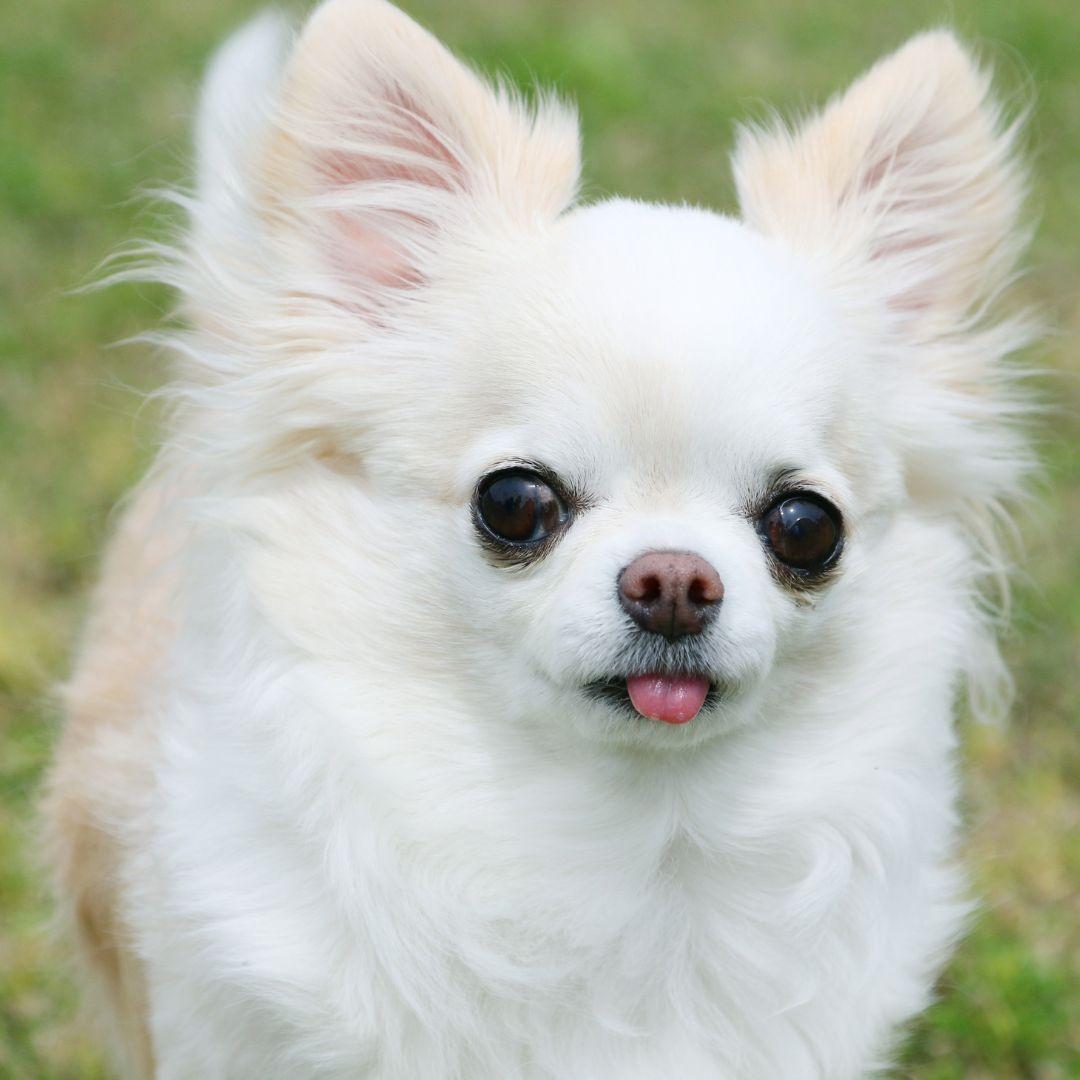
101,778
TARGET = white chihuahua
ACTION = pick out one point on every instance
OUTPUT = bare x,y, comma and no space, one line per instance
534,653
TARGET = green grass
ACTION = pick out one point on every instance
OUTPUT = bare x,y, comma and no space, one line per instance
95,97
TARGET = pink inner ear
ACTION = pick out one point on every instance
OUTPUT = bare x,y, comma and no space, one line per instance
920,203
402,149
366,253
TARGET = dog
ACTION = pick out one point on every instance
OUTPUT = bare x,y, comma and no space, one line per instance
535,650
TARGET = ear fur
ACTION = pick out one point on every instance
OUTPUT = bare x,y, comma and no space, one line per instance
909,180
385,143
234,106
906,193
338,171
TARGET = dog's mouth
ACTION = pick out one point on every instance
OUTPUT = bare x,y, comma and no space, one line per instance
670,698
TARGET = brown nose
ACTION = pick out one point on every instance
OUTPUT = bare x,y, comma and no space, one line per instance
673,593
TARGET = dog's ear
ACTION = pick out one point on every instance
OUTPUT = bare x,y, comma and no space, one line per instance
907,181
385,147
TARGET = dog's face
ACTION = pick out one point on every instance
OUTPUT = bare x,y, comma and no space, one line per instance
661,474
617,468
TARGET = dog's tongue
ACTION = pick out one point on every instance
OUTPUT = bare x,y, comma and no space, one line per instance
674,699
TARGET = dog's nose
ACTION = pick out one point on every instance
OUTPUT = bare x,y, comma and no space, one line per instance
673,593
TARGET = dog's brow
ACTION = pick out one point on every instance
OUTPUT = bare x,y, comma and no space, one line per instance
783,476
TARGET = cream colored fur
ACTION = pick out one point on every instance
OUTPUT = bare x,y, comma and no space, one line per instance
331,800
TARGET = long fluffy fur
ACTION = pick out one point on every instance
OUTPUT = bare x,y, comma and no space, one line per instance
347,812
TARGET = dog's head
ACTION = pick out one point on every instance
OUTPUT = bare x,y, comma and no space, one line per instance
587,465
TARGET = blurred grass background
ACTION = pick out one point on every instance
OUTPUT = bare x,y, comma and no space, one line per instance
95,100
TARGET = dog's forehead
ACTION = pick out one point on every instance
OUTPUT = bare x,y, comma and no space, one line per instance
689,289
672,334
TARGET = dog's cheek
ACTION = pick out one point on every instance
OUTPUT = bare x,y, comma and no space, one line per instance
574,627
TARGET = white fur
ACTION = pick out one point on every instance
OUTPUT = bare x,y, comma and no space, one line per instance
391,838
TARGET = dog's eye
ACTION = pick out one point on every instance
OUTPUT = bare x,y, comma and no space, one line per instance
803,531
519,507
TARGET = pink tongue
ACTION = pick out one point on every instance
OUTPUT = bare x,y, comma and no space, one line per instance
675,699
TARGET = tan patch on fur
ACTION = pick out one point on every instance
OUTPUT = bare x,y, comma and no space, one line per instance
99,789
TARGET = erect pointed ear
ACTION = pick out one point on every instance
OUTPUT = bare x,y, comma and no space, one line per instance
385,146
907,182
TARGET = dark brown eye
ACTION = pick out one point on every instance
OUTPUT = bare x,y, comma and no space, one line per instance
802,531
519,507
